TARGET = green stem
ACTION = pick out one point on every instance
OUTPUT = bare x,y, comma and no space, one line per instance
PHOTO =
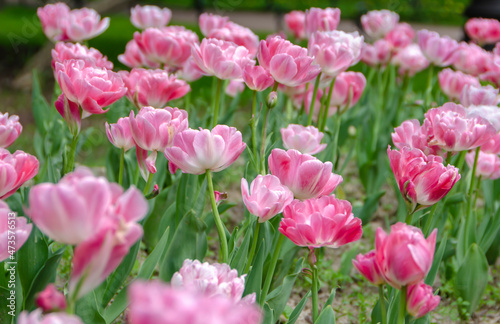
120,172
223,255
476,192
216,103
254,246
335,141
381,298
311,106
272,267
148,183
187,101
428,91
71,156
136,176
314,291
263,143
275,86
402,305
253,124
429,224
322,121
409,217
469,226
448,158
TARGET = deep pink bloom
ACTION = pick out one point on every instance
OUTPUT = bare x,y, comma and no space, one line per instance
404,256
90,87
158,303
471,59
335,51
306,140
367,265
377,54
51,299
119,134
237,34
196,151
421,300
144,17
412,135
317,222
347,90
321,20
209,22
83,24
257,78
473,95
10,129
70,112
35,317
483,31
438,50
11,226
410,60
53,19
453,82
306,176
377,23
295,22
266,198
67,51
223,59
488,164
15,170
453,128
289,64
423,180
400,36
134,58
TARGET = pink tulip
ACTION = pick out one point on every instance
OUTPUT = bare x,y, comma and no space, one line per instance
120,135
190,71
414,136
317,222
404,256
496,50
306,140
11,226
453,128
15,170
83,24
51,299
471,59
438,50
68,51
35,317
70,112
237,34
473,95
321,20
421,300
306,176
295,23
489,113
266,198
90,87
377,23
10,129
257,78
289,64
134,58
155,302
144,17
347,89
367,265
53,19
423,180
453,82
196,151
483,31
488,164
492,145
335,51
377,54
209,22
410,60
234,87
400,36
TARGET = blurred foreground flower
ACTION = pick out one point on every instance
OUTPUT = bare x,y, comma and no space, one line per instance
15,170
12,226
147,16
10,129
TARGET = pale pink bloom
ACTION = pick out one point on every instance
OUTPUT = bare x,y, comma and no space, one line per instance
295,22
377,54
493,73
414,136
90,87
15,170
234,87
318,19
410,60
196,151
335,51
405,255
35,317
488,164
266,198
209,22
53,19
189,71
12,227
156,302
257,78
423,180
453,82
84,23
317,222
496,50
10,129
67,51
152,87
237,34
471,59
421,300
134,58
490,113
347,90
400,36
377,23
367,265
119,134
473,95
51,299
306,140
223,59
289,64
306,176
453,128
144,17
492,145
482,30
438,50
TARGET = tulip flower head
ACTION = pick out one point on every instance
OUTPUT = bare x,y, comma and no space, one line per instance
377,23
438,50
321,20
295,23
488,164
421,300
67,51
453,82
10,129
20,231
15,170
473,95
483,31
51,299
377,54
119,134
306,140
144,17
410,60
367,265
135,58
411,134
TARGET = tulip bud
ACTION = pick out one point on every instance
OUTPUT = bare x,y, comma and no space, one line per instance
421,300
272,99
51,299
368,267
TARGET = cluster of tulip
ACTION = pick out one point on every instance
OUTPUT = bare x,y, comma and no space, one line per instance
102,222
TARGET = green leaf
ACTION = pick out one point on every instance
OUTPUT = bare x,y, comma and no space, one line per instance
369,207
431,276
41,109
87,309
327,316
239,260
298,309
330,299
346,261
253,283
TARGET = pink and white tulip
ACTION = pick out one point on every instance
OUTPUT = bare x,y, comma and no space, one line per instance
68,51
377,23
237,34
421,300
492,145
367,265
488,164
209,22
414,136
148,16
10,129
257,78
453,82
83,24
234,88
473,95
190,71
51,299
471,59
53,19
15,170
36,317
347,90
120,135
400,36
12,226
410,60
135,58
377,54
321,20
295,22
482,30
306,140
438,50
